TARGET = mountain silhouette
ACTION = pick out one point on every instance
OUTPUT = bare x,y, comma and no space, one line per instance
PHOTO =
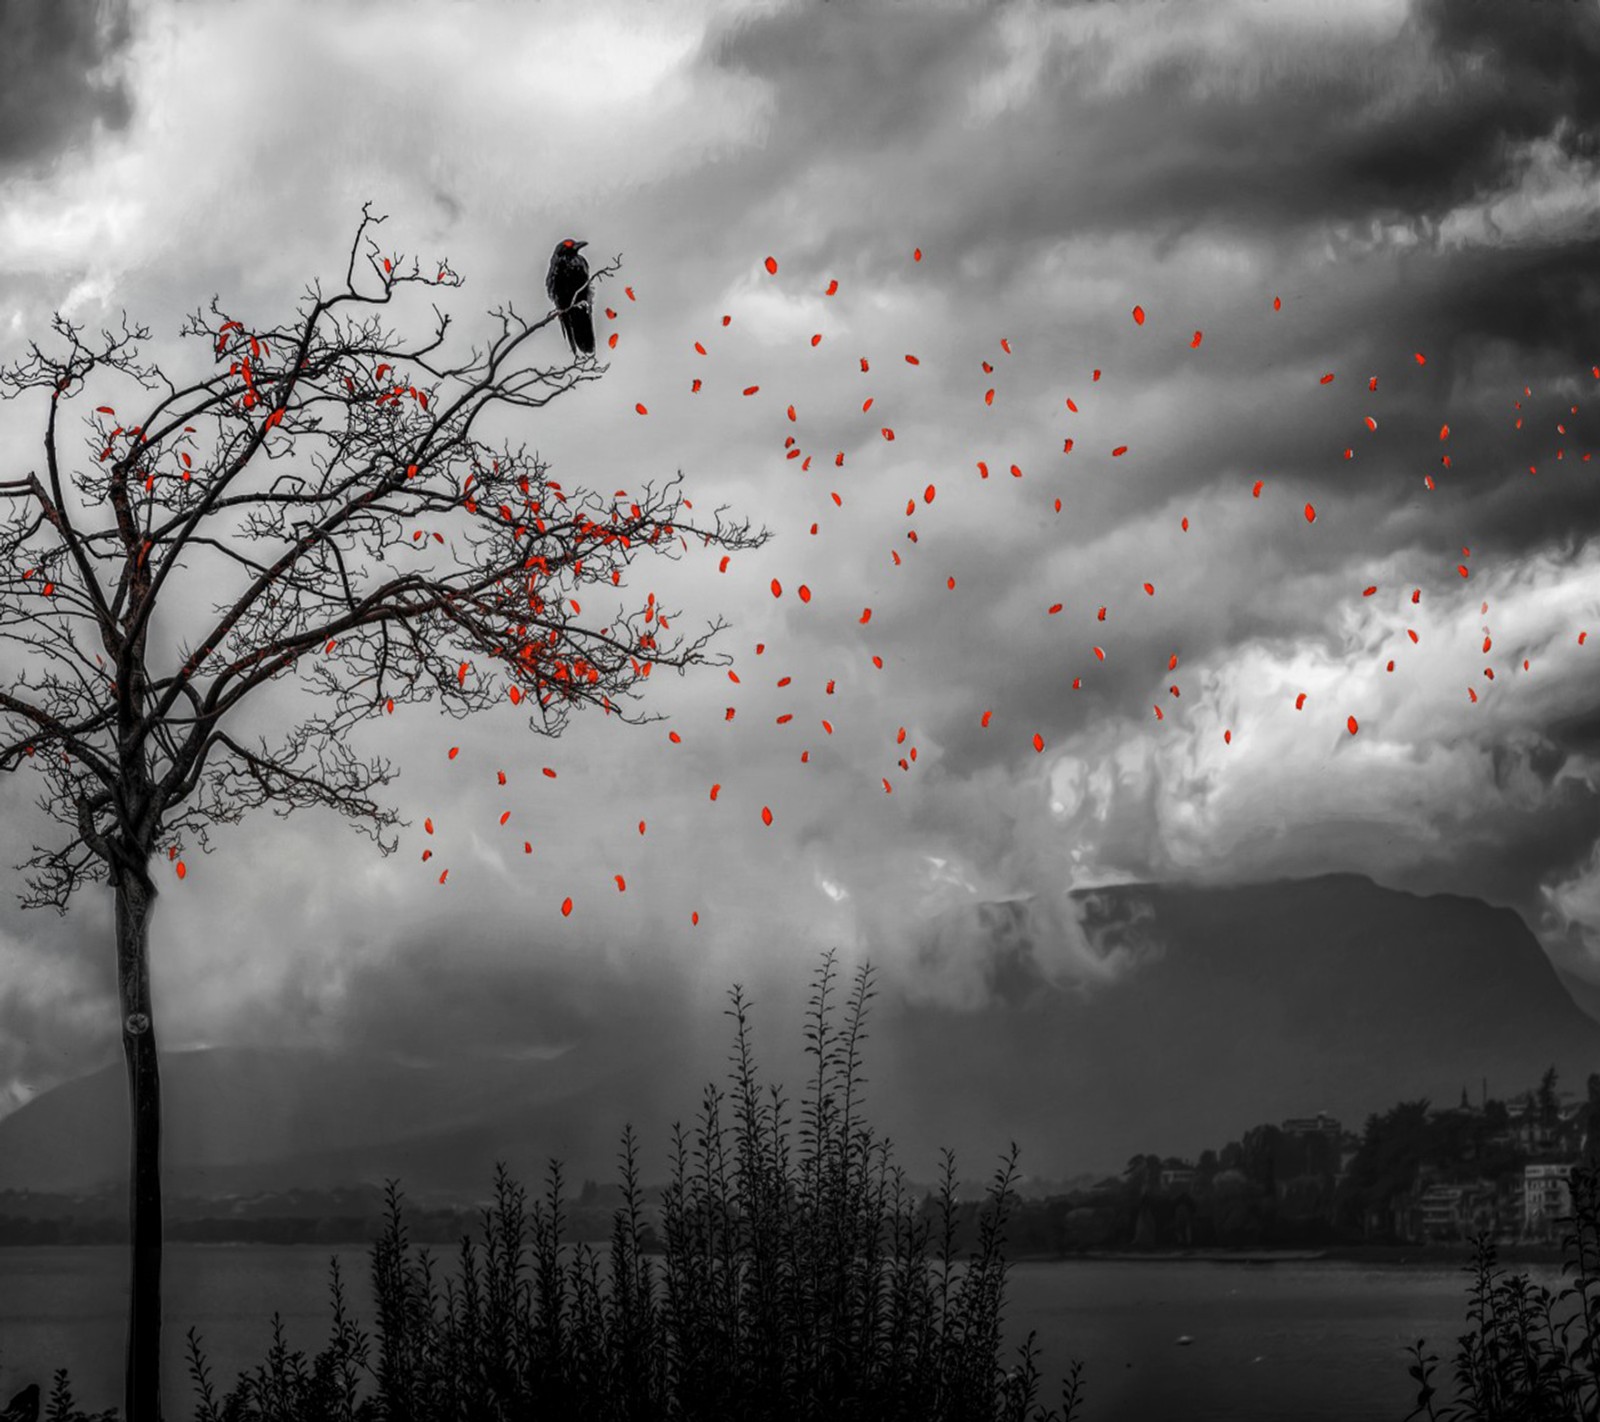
1221,1008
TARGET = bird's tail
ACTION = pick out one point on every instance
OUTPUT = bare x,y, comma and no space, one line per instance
579,322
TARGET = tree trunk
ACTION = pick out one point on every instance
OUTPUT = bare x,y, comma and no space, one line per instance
142,1384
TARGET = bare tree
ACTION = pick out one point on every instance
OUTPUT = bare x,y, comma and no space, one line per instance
319,505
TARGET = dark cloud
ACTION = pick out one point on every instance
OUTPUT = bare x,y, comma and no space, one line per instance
58,75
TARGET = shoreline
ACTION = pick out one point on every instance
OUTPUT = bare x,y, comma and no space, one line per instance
1398,1255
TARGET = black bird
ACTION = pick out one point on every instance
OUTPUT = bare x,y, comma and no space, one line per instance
568,287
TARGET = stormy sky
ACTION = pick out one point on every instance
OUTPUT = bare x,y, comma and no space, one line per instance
1284,190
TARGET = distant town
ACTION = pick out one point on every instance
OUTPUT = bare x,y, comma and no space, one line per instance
1416,1174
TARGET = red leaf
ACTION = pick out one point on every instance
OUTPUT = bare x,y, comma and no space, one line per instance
1353,725
772,266
766,815
1038,741
1138,315
566,907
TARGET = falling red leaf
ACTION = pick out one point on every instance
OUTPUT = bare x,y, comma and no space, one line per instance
641,409
772,266
566,907
777,588
1353,725
1255,493
1138,315
866,616
1194,344
182,872
1311,514
1277,303
1038,741
751,389
766,815
984,722
1119,451
1300,702
916,256
1326,379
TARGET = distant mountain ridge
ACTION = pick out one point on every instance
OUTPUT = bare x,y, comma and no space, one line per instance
1237,1005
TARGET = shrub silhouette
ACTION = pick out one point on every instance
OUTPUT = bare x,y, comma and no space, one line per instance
1529,1352
795,1277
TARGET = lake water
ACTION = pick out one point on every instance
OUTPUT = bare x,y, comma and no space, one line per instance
1313,1340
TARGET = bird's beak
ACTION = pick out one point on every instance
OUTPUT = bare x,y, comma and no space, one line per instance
579,246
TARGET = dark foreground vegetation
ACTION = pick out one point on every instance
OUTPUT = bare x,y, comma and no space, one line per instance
795,1276
1529,1353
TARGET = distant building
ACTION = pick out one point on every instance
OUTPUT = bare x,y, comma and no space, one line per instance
1456,1211
1546,1195
1322,1124
1177,1179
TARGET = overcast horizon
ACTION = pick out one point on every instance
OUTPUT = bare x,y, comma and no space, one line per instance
1095,265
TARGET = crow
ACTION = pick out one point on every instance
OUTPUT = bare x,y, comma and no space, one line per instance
568,287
